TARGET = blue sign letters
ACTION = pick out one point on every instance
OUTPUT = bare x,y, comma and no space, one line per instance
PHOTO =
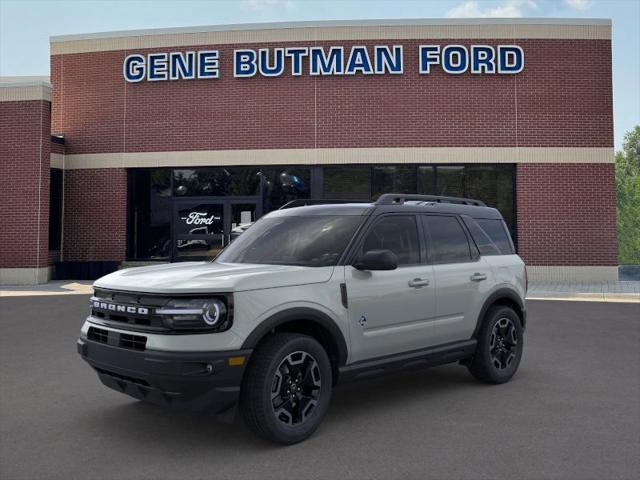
324,61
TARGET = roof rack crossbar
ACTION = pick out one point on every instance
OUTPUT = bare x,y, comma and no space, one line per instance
302,202
400,198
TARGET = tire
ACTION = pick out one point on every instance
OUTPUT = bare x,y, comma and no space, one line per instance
500,345
297,370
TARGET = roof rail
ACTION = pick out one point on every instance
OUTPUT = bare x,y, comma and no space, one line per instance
400,198
302,202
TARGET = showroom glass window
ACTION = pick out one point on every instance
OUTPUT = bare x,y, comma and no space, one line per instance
217,182
152,193
347,182
393,179
55,209
149,214
283,184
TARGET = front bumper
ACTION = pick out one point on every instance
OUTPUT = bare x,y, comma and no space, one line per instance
191,380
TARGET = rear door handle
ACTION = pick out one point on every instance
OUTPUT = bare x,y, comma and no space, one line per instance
478,277
418,282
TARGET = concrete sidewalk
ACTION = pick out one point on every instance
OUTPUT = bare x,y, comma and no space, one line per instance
55,287
626,292
586,291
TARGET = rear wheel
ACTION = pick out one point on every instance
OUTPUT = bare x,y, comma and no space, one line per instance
500,344
287,388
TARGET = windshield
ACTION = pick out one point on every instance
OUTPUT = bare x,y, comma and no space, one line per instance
310,241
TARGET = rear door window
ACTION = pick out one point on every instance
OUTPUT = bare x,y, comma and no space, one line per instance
448,241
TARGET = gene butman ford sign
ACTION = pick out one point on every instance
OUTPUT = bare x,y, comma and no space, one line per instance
327,61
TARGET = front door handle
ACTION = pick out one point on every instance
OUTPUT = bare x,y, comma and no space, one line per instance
418,282
478,277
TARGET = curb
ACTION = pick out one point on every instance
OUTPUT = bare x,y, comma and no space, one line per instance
590,297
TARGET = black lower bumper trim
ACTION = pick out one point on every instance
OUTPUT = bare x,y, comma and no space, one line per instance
191,380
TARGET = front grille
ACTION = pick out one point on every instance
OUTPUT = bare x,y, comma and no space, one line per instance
128,310
122,340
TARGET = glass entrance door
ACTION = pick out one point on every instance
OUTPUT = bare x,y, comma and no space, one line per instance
198,230
203,227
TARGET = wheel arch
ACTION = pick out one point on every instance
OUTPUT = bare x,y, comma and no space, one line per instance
506,297
307,321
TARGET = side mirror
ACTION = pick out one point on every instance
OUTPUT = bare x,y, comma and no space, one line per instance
377,260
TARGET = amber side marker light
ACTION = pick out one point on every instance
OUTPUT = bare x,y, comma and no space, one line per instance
236,361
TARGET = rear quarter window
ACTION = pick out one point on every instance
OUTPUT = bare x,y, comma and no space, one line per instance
497,231
485,244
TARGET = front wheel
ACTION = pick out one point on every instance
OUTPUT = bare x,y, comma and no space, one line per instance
500,344
287,388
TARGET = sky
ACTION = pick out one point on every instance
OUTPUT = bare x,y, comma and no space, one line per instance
25,26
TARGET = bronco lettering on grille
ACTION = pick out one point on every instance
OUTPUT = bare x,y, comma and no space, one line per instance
113,307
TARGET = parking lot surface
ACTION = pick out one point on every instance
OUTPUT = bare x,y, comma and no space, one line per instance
572,411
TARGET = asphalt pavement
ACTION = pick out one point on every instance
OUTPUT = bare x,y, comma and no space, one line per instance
572,411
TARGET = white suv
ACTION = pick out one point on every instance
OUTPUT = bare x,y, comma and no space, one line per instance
311,296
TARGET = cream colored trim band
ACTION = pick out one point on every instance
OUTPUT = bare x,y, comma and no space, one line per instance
23,93
57,160
426,155
590,29
24,276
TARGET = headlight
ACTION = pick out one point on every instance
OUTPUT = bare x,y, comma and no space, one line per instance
196,314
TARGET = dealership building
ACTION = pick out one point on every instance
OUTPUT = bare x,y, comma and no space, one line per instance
153,145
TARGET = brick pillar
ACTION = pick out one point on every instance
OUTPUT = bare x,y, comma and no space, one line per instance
25,123
567,221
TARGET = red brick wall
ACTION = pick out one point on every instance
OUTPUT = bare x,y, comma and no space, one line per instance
566,214
95,214
24,196
562,98
57,148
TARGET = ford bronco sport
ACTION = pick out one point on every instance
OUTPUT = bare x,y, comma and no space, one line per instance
309,297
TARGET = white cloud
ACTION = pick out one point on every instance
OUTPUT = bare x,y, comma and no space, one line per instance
578,4
266,4
507,8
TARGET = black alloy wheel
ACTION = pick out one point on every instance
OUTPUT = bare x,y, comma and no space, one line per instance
286,389
504,343
295,390
500,346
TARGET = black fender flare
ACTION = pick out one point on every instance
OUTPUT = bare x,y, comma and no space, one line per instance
501,293
296,314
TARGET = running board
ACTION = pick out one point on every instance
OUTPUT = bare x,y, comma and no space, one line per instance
427,357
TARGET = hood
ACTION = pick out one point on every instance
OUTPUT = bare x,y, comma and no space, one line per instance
208,277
